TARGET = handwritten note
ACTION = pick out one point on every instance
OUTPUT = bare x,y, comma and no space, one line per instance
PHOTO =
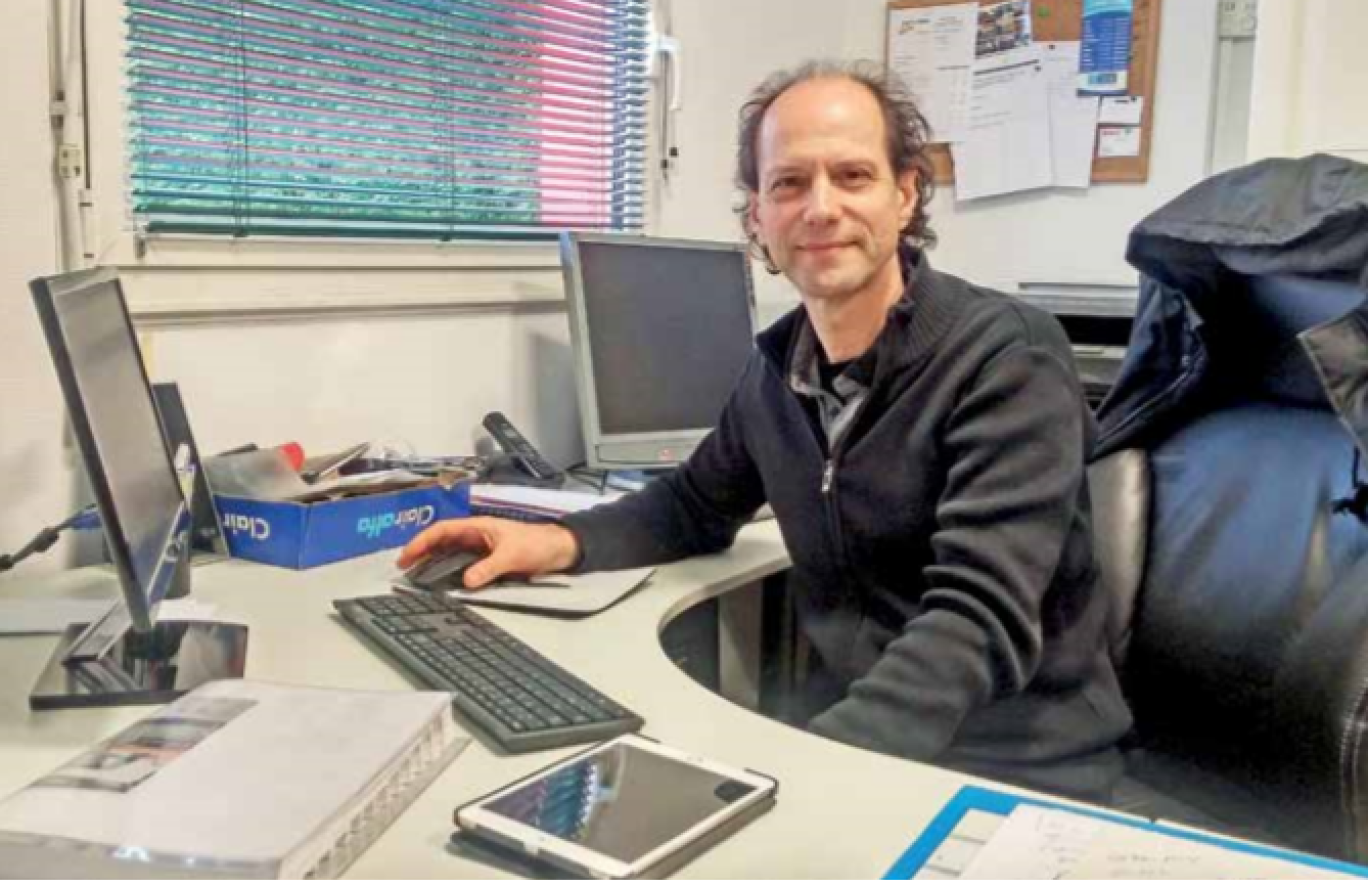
1132,854
1039,843
1034,843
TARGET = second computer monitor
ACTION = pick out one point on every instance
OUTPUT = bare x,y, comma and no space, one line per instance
661,330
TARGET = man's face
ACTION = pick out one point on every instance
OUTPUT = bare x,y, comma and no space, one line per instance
829,208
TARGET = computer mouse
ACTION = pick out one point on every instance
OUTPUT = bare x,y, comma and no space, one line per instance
444,571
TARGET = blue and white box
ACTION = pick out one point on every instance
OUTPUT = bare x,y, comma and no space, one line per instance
298,536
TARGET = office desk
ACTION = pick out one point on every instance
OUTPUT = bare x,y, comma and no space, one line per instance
842,812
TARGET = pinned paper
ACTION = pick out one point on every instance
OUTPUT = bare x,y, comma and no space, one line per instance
1008,143
1105,63
932,50
1073,117
1118,141
1125,110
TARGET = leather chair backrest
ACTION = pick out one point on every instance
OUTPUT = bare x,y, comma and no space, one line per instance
1120,488
1240,598
1245,556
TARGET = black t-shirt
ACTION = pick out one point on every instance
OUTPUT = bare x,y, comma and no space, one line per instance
828,372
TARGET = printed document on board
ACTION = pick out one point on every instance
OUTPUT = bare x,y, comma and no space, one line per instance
1073,117
1104,67
932,51
1008,145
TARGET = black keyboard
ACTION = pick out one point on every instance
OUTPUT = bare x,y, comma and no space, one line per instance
523,701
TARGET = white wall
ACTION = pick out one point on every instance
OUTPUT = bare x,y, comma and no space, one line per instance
35,473
1310,79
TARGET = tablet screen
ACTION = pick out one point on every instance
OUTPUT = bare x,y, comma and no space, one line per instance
622,802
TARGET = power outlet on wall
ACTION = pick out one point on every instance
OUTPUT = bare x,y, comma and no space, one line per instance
1239,19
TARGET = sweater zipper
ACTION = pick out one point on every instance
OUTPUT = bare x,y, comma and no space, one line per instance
828,488
833,512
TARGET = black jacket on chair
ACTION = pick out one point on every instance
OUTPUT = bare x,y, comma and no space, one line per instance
1223,508
1195,331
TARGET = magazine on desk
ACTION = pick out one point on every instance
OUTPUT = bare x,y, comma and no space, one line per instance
237,779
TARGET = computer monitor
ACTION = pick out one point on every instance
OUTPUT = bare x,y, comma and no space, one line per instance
661,330
139,495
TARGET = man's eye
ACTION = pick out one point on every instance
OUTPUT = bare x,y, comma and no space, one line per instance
859,175
784,183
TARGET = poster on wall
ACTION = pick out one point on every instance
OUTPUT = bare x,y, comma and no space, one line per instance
1105,63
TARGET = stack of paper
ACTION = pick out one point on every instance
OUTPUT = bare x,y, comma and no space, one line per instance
237,779
529,503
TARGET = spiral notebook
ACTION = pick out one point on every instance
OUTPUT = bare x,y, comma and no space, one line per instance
237,779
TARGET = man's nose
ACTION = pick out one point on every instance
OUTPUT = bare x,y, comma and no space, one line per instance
823,203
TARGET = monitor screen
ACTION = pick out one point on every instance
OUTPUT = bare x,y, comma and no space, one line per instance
115,423
661,331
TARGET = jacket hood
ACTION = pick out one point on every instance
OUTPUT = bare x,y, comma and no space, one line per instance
1197,255
1305,216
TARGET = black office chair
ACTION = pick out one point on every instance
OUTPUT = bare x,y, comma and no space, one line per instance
1240,625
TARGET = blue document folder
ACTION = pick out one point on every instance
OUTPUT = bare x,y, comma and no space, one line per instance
971,799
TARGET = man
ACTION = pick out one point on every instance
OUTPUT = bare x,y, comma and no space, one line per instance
921,442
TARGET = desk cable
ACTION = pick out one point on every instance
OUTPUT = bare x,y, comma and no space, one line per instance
86,518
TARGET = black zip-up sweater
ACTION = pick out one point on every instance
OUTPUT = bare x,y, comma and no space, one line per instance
942,551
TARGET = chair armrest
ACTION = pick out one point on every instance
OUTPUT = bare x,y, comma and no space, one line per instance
1317,718
1120,489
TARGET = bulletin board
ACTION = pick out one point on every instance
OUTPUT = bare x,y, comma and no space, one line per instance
1063,20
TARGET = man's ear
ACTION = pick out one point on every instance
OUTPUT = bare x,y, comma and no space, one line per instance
751,216
907,196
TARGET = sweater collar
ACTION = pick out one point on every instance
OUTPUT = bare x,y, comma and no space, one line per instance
926,309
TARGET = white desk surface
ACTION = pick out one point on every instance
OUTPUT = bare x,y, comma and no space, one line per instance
843,813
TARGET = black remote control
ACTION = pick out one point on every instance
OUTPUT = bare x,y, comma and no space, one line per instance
517,446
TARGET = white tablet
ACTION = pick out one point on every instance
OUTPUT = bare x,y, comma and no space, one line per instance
630,807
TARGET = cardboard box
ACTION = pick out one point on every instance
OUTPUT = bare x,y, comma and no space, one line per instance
298,536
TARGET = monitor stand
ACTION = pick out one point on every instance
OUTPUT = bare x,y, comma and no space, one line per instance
109,663
139,668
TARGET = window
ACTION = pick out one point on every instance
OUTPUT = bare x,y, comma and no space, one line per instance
439,119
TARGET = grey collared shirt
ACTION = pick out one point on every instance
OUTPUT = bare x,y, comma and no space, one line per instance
836,407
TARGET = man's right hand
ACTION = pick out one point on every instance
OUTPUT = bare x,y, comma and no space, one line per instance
526,549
